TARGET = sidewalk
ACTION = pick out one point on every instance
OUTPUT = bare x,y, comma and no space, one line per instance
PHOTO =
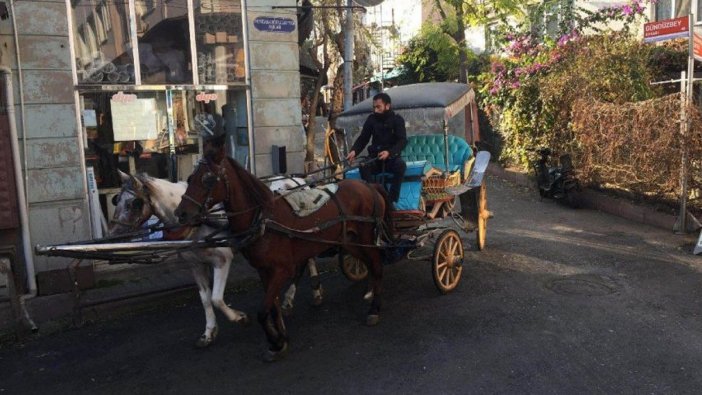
124,289
597,201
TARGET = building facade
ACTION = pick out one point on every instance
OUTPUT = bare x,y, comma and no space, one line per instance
134,85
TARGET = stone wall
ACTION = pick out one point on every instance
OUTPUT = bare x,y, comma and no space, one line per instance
58,210
275,85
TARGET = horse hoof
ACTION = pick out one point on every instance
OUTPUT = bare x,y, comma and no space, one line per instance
273,356
368,296
318,297
372,320
205,341
244,320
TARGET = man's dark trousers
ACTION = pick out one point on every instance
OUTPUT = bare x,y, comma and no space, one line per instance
395,166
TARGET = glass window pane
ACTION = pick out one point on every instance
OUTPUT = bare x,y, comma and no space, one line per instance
164,41
220,45
216,112
102,42
664,9
682,8
129,131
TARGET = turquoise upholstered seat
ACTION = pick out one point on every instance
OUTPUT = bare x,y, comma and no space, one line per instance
421,153
411,189
430,147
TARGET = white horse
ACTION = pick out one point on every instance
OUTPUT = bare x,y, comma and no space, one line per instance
142,196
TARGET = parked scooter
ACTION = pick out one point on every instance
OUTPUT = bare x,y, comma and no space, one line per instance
556,182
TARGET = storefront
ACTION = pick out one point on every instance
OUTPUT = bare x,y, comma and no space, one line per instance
133,85
154,77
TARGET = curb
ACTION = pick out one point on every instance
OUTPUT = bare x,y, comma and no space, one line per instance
156,286
597,201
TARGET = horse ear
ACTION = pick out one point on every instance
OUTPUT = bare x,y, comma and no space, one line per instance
123,176
137,183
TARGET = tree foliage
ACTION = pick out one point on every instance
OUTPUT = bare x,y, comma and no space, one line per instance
430,56
456,15
531,90
326,48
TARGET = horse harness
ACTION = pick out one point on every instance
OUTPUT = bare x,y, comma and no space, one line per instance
260,223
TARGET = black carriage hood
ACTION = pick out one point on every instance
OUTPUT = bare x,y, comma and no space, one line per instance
423,95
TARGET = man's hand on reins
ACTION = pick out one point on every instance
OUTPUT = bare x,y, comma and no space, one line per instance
383,155
351,156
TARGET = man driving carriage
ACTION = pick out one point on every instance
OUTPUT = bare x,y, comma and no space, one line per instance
389,139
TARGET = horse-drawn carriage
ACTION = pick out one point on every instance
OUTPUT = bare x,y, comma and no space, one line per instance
442,168
356,219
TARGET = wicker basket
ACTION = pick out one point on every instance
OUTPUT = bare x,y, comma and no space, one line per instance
434,187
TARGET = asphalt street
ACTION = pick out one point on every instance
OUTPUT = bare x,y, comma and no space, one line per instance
562,301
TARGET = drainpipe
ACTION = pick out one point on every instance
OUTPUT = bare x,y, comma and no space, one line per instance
21,199
21,192
249,87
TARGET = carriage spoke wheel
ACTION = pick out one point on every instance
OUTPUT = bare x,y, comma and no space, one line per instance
353,268
483,214
447,264
449,206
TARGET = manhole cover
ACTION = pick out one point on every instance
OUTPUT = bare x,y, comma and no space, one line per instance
586,285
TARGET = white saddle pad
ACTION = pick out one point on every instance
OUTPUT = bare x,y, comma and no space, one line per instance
306,202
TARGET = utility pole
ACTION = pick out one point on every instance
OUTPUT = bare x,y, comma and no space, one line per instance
348,57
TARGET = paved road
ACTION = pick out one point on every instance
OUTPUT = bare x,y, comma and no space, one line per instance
563,301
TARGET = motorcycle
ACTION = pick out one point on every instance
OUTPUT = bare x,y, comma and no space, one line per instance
556,182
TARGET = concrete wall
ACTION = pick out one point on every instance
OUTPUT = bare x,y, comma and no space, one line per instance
275,85
58,211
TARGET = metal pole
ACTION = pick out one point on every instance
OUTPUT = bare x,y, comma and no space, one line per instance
348,57
172,160
685,128
446,147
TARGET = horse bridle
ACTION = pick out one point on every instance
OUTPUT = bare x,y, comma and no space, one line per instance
139,219
203,207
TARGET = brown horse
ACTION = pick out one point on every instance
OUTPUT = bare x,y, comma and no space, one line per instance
278,243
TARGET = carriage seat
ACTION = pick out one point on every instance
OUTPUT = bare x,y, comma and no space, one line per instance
430,147
411,184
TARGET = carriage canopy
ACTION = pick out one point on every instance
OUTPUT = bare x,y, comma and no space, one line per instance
425,107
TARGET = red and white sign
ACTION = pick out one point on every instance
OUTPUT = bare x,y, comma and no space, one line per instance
667,29
121,97
206,97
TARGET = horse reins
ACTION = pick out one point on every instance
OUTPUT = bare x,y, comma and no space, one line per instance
259,223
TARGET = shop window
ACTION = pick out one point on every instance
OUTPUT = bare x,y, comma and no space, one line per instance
164,42
219,42
102,46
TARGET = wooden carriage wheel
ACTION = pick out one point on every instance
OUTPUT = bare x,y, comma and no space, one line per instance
353,268
448,207
482,216
447,262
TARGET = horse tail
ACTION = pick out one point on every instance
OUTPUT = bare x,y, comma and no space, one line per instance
387,216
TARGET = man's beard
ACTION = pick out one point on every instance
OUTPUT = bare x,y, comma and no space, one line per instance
382,115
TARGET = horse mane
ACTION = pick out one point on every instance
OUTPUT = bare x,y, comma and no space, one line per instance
160,189
252,184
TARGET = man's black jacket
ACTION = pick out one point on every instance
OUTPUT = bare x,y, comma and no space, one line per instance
388,132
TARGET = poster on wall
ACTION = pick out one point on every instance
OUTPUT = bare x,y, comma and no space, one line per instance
134,119
697,43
